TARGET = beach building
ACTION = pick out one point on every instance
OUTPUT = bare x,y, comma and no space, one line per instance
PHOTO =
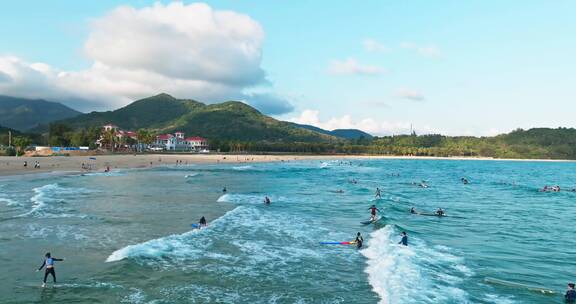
177,142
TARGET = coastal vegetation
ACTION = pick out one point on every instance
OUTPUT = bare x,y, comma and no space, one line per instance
237,127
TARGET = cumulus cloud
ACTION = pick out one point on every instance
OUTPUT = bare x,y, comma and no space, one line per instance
374,46
410,94
190,51
424,50
369,125
351,67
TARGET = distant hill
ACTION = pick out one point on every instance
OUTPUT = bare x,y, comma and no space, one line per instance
341,133
25,114
230,120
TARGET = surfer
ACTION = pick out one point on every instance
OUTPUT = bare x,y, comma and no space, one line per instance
465,181
203,222
267,200
440,212
49,263
423,184
413,210
373,211
378,193
570,295
404,240
224,189
359,240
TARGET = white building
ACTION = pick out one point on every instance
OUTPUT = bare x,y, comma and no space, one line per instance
177,142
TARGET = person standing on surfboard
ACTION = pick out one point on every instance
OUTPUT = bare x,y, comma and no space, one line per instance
359,240
49,263
378,193
373,211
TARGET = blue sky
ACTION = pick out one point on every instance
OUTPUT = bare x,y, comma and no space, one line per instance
456,67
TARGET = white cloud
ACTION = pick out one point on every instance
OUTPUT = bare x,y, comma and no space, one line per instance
410,94
424,50
374,46
351,67
370,125
190,51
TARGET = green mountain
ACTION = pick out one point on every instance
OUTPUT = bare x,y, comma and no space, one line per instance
25,114
230,120
341,133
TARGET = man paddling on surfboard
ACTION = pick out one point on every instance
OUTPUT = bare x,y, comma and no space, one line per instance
373,211
49,263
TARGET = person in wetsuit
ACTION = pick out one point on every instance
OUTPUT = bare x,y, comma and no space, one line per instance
49,263
203,222
359,240
373,211
413,210
378,193
440,212
267,201
404,240
224,190
570,296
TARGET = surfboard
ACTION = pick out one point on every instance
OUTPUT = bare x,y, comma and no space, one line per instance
370,222
195,226
338,243
495,281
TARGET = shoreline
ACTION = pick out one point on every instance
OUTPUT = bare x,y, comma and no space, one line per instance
14,166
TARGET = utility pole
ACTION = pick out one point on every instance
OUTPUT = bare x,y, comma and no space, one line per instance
9,138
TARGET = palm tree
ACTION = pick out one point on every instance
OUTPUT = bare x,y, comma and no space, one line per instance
109,139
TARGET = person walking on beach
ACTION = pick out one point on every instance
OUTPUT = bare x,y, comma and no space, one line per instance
404,240
49,263
570,296
359,240
373,211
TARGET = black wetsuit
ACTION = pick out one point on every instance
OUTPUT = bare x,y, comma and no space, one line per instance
203,221
49,263
359,241
404,240
570,296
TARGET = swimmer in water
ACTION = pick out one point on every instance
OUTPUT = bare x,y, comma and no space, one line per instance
49,263
440,212
267,201
413,210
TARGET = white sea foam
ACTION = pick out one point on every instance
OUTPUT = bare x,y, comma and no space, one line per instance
48,201
400,274
190,175
9,202
242,168
242,199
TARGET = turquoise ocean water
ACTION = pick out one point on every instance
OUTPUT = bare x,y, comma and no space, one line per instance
126,235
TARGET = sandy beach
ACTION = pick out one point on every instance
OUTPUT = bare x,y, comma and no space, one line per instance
74,164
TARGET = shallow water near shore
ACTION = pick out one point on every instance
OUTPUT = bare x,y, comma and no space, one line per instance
126,235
